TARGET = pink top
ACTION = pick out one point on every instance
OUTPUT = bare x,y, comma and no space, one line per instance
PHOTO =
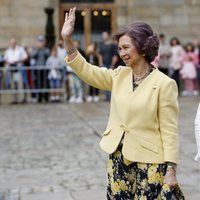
155,62
190,56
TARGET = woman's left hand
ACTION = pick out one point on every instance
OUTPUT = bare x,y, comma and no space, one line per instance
170,179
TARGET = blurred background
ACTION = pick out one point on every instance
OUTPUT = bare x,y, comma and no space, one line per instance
26,19
34,28
51,122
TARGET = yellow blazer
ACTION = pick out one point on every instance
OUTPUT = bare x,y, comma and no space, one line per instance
146,117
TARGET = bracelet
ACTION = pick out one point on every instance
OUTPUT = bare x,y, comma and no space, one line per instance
171,166
71,51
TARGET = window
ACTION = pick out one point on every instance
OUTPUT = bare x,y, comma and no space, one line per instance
91,20
101,20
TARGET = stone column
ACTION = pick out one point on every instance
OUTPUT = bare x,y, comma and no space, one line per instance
49,29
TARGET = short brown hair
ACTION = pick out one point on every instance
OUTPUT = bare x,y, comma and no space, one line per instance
143,37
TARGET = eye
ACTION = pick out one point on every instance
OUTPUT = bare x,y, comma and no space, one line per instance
119,49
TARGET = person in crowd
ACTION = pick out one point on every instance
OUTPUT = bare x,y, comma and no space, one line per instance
54,63
197,52
14,57
188,71
61,52
175,61
93,58
164,54
40,55
76,85
197,133
1,70
141,137
107,56
28,64
26,75
156,61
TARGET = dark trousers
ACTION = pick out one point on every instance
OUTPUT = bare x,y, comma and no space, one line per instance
176,76
93,91
41,83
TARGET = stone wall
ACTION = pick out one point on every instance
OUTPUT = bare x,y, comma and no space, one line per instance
24,20
172,17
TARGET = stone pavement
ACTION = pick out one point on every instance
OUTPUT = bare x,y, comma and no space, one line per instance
51,152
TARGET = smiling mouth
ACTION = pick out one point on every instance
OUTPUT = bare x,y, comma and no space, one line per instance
126,60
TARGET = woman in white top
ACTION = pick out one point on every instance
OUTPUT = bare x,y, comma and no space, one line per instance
197,133
175,61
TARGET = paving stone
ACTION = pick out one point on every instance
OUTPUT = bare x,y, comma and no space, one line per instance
48,196
90,195
52,150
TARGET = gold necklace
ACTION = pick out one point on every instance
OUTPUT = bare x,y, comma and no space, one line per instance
136,79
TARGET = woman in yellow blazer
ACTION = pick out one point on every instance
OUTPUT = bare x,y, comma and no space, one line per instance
141,137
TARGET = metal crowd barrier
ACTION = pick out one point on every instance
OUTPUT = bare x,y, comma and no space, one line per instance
25,80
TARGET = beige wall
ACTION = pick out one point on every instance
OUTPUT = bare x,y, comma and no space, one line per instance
25,19
172,17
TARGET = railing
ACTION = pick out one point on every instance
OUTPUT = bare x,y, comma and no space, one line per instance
32,81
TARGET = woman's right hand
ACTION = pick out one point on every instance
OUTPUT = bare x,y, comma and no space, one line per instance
170,179
68,26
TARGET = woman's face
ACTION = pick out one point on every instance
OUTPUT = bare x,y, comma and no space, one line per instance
127,51
174,42
90,49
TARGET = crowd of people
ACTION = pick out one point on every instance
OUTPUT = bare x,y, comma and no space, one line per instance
180,62
42,72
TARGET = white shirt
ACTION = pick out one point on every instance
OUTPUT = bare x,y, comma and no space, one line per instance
61,52
54,63
197,133
15,55
176,56
164,53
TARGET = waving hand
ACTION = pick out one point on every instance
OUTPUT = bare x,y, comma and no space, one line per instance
68,26
67,30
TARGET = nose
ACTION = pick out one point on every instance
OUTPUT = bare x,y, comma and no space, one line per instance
122,53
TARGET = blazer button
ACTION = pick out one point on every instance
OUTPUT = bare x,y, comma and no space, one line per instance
154,86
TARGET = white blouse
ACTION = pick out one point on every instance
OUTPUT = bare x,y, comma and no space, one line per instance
197,133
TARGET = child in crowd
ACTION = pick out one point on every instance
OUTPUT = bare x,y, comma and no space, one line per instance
54,76
189,70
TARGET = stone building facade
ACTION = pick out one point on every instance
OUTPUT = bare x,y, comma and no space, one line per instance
26,19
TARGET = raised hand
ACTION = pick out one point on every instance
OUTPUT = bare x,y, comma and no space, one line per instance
68,26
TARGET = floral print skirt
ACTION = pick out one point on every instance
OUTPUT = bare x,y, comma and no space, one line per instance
137,181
